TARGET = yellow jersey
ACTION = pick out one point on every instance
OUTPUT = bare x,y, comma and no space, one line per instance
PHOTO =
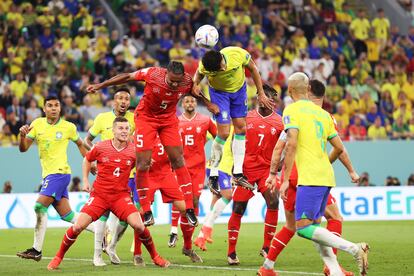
102,125
315,127
360,28
381,26
52,142
233,77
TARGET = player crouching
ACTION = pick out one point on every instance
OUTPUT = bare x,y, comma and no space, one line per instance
115,159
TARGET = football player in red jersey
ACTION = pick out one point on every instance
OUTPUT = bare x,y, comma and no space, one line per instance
115,159
156,115
162,178
332,214
263,129
193,128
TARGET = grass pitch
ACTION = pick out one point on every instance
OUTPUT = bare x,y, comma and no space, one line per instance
392,251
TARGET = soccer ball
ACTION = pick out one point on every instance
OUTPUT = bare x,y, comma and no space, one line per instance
207,36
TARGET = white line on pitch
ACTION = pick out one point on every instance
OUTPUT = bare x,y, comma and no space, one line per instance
190,266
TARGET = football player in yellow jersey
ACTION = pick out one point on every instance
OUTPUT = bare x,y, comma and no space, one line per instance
309,128
102,126
52,135
227,86
221,197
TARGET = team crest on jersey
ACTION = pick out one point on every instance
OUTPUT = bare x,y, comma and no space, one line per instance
198,129
273,131
179,95
59,135
128,162
156,90
225,115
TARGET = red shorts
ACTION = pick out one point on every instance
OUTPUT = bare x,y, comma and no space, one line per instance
120,204
168,186
147,129
291,197
198,176
259,178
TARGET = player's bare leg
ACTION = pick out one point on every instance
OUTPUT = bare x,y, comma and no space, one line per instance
141,180
83,221
218,205
187,229
334,219
271,219
176,157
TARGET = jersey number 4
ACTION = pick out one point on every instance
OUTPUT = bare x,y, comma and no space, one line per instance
117,172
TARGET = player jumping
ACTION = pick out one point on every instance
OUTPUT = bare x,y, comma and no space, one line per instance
115,159
227,86
263,129
52,135
193,128
332,215
156,115
302,121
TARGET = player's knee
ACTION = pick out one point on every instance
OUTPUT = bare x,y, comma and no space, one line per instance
77,228
273,202
239,207
139,227
306,231
40,208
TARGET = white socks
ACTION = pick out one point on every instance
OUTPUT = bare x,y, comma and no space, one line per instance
118,233
214,213
40,230
216,154
239,149
325,237
174,230
329,259
99,236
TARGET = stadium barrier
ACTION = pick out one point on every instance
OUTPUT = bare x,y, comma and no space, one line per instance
355,204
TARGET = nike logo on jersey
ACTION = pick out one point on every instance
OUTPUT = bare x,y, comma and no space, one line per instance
168,93
262,126
189,128
117,160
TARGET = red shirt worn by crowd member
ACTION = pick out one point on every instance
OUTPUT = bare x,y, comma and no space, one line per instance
114,167
160,100
194,136
261,137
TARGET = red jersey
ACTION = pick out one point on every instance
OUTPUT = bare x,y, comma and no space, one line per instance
194,136
114,166
261,137
159,99
161,164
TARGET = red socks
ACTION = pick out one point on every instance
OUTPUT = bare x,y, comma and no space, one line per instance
146,239
175,216
335,226
184,181
68,239
233,231
270,224
188,231
142,185
279,242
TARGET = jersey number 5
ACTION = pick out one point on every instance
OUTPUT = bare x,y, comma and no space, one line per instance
163,104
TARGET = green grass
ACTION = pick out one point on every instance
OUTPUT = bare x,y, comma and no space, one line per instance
392,251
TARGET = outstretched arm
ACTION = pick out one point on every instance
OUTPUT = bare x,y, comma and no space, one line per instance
118,79
259,85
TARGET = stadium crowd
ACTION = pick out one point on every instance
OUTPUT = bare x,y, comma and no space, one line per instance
61,46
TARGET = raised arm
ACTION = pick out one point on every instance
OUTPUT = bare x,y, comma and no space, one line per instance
118,79
196,90
25,142
262,98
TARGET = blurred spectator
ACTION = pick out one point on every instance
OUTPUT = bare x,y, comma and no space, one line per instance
357,130
410,180
391,85
7,187
334,93
376,131
145,60
386,104
19,86
381,26
359,28
165,44
13,124
373,114
75,186
16,109
341,116
7,138
365,180
32,112
392,181
400,129
177,52
349,104
127,49
69,111
365,103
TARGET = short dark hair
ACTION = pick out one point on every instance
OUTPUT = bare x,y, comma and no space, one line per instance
212,60
175,67
269,90
317,88
51,98
120,119
122,88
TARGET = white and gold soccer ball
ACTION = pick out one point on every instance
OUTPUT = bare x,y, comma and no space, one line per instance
206,36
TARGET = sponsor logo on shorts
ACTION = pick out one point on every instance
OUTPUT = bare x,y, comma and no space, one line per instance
59,135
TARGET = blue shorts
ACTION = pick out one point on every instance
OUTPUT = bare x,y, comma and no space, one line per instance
231,105
223,178
311,202
55,185
133,190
